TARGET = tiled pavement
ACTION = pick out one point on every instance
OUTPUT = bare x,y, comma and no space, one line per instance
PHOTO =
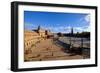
47,50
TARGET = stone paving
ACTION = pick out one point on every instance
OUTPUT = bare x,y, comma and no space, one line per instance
46,50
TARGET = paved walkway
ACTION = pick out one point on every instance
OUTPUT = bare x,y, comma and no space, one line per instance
47,50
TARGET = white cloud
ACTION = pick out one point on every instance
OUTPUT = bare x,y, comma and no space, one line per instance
87,18
67,29
81,29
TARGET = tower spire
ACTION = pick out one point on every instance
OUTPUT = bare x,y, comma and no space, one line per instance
72,30
39,27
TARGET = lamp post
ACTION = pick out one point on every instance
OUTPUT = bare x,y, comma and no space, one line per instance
71,34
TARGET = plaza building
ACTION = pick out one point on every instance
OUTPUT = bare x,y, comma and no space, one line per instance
32,37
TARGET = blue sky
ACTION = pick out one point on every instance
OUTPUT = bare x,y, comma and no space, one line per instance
57,21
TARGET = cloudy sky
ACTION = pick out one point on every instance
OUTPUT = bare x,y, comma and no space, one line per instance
57,22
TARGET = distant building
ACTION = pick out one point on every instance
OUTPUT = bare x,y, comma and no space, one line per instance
43,33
